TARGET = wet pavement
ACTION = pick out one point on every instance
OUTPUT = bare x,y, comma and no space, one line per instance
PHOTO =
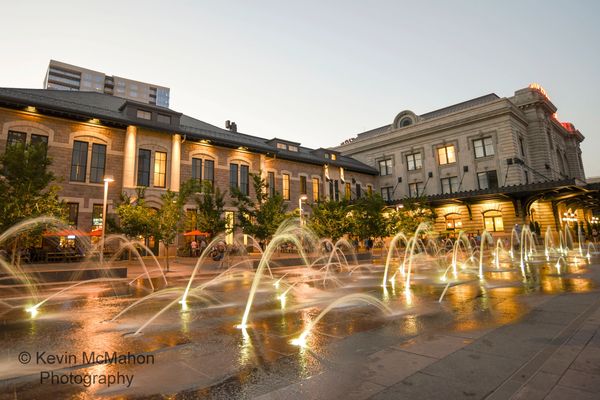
497,338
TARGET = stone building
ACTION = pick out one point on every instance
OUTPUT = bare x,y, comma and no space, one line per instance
486,163
92,135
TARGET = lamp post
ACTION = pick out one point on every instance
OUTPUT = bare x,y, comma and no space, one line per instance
300,200
107,180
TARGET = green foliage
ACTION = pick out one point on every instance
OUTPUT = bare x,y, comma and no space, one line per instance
26,189
408,218
368,217
209,215
330,219
259,217
135,218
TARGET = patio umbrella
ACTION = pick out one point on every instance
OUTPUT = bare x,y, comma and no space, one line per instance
96,232
65,232
195,232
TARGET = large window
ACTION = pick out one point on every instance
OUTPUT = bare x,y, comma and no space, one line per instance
160,169
415,189
286,186
487,180
446,155
453,222
414,161
492,221
302,185
450,185
348,191
271,183
143,177
73,209
197,169
98,163
358,191
483,147
233,175
41,140
209,171
245,179
386,193
97,215
316,184
385,167
16,137
79,161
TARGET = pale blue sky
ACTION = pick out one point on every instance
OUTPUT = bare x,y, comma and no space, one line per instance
319,72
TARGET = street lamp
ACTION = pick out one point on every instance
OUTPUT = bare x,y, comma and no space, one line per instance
300,200
107,180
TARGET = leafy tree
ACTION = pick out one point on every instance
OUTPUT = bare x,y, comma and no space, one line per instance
27,190
259,217
368,218
407,218
330,219
210,210
135,218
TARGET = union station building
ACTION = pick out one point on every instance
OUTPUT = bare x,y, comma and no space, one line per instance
487,163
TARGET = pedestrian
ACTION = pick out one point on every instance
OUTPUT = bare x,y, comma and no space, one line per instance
194,248
203,245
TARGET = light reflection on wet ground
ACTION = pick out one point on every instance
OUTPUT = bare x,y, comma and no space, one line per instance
200,353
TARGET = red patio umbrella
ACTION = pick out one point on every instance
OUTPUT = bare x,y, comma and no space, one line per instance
96,232
195,232
65,232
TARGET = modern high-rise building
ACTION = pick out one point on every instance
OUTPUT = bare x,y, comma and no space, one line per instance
62,76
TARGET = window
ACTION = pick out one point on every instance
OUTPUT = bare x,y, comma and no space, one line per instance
79,161
483,147
97,215
446,155
40,140
209,171
98,163
358,191
413,161
143,178
336,190
286,187
522,146
492,221
487,180
144,114
334,157
73,209
453,222
293,148
160,169
315,187
405,122
385,167
281,146
163,119
302,185
526,177
271,183
16,137
415,189
197,169
386,193
244,179
450,185
233,175
348,191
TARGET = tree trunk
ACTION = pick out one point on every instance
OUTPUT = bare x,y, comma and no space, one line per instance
167,255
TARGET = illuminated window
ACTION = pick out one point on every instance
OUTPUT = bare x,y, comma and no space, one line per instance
370,190
143,114
483,147
302,185
98,163
97,215
449,185
293,148
79,161
348,191
281,146
315,187
385,167
160,169
286,186
492,221
453,222
414,161
143,178
334,157
446,155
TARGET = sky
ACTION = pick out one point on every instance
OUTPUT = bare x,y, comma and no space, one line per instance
319,72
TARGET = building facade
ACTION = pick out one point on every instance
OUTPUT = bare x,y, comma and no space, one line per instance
487,163
93,135
62,76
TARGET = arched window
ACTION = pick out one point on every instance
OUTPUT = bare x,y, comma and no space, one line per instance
405,122
492,221
453,221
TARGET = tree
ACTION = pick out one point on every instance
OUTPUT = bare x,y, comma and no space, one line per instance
210,210
368,218
135,218
27,189
330,219
259,217
407,218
